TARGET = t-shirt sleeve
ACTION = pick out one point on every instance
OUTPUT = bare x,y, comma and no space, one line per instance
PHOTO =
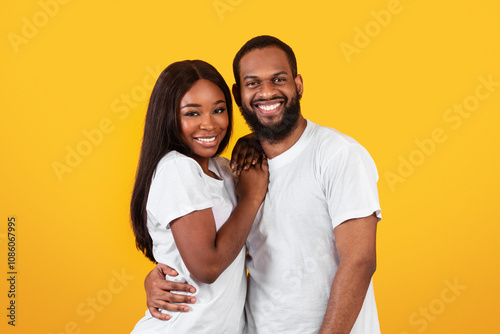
351,185
177,188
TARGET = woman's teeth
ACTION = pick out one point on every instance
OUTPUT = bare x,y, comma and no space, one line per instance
206,140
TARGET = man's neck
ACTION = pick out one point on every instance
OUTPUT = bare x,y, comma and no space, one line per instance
273,149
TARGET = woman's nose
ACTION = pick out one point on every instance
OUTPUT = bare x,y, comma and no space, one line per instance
207,123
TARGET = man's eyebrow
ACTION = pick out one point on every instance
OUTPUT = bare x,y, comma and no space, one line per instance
255,77
249,77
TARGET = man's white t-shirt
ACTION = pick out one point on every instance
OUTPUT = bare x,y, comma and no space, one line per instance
180,187
325,179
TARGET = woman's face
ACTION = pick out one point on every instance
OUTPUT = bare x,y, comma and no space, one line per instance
203,119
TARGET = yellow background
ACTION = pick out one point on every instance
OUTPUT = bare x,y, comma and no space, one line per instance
72,68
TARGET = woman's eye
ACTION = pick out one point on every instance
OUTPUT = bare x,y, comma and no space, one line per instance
191,113
219,110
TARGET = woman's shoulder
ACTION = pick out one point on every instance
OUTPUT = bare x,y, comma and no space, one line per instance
177,161
223,167
220,161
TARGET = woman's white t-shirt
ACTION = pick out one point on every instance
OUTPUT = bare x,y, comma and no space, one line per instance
179,187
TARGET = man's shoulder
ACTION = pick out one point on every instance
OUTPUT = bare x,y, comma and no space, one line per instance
330,139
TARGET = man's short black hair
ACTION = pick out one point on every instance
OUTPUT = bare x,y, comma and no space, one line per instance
261,42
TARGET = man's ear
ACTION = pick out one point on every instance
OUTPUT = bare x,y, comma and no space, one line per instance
237,94
299,84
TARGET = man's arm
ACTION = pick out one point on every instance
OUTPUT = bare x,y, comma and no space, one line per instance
355,240
159,295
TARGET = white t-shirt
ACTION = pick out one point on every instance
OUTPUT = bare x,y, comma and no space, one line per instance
179,187
325,179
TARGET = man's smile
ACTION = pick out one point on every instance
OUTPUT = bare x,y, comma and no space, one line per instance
269,107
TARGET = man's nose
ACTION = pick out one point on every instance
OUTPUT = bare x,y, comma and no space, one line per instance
267,90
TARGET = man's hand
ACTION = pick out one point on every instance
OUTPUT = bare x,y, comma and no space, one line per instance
246,153
159,295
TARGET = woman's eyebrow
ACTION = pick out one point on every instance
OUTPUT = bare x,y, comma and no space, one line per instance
191,105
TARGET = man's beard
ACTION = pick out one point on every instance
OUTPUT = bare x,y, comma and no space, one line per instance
275,132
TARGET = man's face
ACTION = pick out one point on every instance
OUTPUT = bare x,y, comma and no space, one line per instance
269,94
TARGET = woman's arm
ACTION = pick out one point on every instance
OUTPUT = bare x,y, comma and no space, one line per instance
207,252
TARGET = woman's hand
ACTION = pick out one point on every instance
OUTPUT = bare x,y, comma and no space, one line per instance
253,182
159,295
246,153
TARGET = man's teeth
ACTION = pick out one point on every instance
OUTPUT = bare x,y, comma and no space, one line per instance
269,107
206,139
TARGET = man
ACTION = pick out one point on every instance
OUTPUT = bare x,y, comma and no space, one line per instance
311,250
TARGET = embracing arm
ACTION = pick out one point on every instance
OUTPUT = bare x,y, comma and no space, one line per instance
207,252
355,240
159,291
159,295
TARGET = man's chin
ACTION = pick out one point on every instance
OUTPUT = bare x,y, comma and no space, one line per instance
273,128
270,121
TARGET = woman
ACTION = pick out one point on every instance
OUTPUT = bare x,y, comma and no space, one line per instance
185,208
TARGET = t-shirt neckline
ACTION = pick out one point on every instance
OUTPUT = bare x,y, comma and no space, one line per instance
213,167
294,151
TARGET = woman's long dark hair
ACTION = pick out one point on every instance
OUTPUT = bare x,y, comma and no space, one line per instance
162,134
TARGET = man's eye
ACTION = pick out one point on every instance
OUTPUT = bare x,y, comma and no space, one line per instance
279,79
252,83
